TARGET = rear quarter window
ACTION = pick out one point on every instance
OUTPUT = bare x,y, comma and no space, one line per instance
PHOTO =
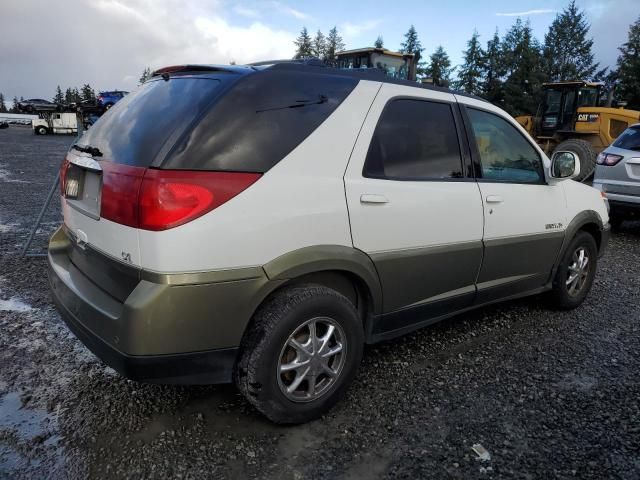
259,121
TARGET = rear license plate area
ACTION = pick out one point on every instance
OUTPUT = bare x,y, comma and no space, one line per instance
82,190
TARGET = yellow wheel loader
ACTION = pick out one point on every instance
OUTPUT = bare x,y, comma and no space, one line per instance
571,118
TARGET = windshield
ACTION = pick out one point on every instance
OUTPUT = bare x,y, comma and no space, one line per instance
588,97
630,139
134,130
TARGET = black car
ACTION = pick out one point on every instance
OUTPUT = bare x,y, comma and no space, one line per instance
3,124
38,104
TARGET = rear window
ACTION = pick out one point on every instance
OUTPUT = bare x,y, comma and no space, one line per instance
262,118
135,129
629,139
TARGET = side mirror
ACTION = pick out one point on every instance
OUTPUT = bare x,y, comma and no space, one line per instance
565,165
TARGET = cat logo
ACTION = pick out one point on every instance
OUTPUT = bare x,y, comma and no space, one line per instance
588,117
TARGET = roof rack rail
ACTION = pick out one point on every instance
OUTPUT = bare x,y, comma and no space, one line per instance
312,61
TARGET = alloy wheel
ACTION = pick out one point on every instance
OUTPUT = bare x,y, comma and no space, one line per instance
578,271
311,359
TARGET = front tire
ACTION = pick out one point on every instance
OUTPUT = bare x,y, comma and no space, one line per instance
576,272
301,353
585,153
42,130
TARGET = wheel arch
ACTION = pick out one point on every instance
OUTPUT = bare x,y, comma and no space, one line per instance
588,221
333,266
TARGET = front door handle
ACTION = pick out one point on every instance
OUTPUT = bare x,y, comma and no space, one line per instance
494,199
373,198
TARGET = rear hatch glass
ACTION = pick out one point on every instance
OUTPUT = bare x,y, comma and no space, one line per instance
136,128
629,139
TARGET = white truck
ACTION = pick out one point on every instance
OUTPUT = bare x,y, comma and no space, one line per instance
55,123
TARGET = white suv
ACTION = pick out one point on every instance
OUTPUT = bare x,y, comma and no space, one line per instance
260,224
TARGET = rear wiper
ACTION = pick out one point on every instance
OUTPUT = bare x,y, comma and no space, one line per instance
298,104
93,151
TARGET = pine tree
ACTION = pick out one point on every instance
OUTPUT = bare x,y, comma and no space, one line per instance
303,44
439,68
146,75
334,44
14,107
493,70
77,98
59,96
524,72
319,45
412,44
68,96
567,50
629,67
470,76
87,94
3,107
379,43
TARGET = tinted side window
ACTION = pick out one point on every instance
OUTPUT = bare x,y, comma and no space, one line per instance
259,121
414,140
505,155
629,139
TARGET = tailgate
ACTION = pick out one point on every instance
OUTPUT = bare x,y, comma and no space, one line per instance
105,251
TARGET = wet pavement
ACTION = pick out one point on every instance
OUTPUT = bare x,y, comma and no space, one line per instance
544,393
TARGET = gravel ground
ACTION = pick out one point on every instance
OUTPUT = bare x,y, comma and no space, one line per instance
546,393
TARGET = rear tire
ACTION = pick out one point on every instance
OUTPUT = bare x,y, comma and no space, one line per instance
585,153
300,325
576,272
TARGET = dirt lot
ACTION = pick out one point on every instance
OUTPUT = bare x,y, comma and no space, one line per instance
547,393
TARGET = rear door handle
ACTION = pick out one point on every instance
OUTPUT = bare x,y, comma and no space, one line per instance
494,199
373,198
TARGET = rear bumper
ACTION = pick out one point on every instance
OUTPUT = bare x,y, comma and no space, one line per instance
207,367
176,328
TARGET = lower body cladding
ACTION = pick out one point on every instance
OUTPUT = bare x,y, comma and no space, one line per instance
183,328
187,328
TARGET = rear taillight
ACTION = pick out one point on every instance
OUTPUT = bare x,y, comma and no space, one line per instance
63,174
608,159
161,199
120,190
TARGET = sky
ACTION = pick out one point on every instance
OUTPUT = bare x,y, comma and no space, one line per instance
108,43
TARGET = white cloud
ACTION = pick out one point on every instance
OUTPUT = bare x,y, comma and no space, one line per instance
539,11
355,29
287,10
111,52
244,45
